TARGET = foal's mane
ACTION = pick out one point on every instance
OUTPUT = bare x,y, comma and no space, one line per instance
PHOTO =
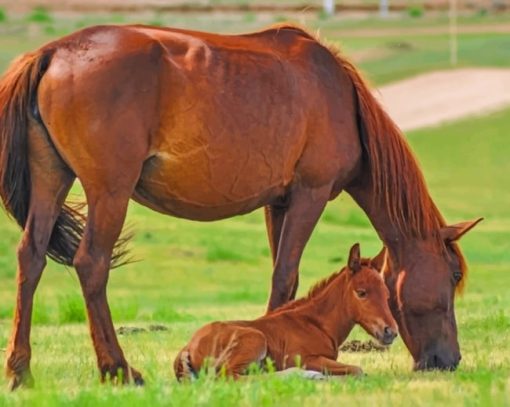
317,289
397,181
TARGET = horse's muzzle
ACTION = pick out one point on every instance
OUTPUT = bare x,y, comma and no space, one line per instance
438,361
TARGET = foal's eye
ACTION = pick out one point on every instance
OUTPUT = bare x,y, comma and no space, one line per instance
457,276
361,293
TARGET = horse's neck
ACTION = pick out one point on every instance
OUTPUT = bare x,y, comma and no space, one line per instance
329,310
389,233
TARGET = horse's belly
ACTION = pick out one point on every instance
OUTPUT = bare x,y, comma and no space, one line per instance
198,187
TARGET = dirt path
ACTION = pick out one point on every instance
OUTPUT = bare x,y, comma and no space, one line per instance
437,97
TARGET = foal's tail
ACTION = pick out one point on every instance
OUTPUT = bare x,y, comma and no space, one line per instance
183,368
18,108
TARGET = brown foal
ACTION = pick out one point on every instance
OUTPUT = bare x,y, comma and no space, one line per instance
306,332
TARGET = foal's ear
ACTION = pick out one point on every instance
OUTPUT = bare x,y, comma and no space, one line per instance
354,263
453,233
378,261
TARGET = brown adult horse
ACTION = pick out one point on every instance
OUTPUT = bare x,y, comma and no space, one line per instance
206,126
309,330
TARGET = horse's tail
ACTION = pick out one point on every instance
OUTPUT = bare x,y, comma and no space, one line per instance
397,181
18,106
183,368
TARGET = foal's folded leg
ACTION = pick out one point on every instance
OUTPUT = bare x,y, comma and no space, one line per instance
331,367
305,374
248,345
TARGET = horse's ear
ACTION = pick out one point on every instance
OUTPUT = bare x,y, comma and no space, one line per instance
378,261
453,233
354,263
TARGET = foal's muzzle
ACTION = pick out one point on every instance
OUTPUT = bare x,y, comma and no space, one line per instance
387,335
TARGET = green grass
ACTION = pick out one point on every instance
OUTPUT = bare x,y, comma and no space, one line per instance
190,273
3,15
414,54
40,15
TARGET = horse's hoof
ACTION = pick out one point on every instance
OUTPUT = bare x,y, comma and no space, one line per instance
136,377
121,375
21,380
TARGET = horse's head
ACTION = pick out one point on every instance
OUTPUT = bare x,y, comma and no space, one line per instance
423,287
368,298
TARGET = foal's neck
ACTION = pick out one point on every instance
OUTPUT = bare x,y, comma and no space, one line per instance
330,310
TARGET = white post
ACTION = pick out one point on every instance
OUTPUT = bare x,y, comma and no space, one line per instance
329,7
453,33
383,8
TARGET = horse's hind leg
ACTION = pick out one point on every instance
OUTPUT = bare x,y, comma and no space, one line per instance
50,183
107,207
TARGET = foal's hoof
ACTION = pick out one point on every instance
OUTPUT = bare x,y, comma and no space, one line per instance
357,371
23,380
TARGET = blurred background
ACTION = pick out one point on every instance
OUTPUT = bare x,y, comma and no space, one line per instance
425,57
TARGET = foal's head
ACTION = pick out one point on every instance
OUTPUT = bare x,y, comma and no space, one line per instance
367,297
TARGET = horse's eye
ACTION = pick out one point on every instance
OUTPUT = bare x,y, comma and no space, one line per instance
457,276
361,293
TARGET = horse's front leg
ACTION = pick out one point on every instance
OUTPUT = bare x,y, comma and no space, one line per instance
105,219
304,210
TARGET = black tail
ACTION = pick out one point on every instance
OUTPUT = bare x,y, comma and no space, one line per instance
18,90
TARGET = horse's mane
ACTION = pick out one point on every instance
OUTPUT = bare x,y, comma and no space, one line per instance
317,289
397,180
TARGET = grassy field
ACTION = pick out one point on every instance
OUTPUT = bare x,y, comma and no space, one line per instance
190,273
